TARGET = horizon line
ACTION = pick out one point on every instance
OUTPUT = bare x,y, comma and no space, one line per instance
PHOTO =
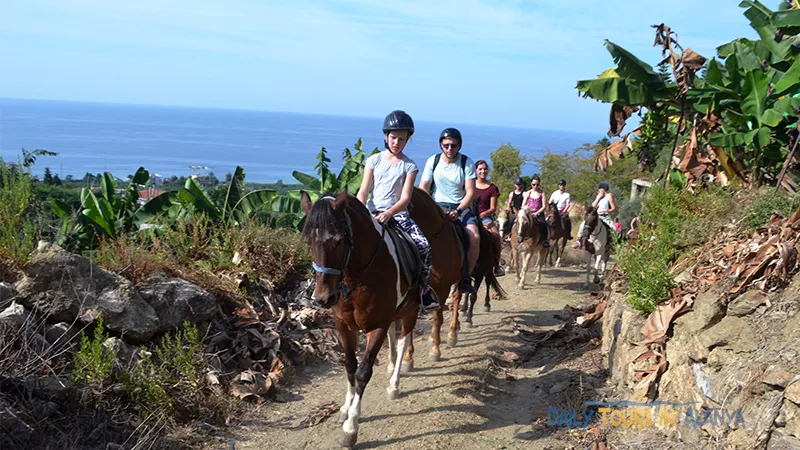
167,105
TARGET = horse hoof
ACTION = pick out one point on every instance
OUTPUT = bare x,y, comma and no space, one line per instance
468,323
487,308
390,368
349,439
452,342
434,357
406,367
342,416
392,393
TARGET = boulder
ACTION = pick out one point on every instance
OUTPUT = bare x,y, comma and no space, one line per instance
14,317
780,440
64,287
732,332
707,310
6,294
746,303
792,419
777,375
125,353
175,301
59,333
621,328
792,392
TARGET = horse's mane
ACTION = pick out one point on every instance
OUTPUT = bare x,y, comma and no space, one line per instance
321,216
427,202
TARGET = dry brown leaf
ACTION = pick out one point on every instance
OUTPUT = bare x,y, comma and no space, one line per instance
249,384
511,356
318,414
618,116
657,324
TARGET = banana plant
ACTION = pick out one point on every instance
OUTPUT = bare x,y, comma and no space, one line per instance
350,175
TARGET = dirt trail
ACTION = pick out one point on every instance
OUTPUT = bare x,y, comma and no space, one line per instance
457,403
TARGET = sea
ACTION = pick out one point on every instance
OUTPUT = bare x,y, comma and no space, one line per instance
182,141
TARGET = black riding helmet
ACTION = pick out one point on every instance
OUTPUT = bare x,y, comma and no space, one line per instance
398,120
451,133
562,181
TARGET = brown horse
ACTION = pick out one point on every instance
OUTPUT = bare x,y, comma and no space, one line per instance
560,230
446,272
484,270
360,280
528,236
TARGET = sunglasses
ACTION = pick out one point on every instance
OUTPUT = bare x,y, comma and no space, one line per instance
534,184
449,146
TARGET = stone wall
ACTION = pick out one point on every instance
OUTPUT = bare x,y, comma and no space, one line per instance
726,354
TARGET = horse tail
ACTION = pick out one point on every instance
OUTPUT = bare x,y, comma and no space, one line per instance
491,281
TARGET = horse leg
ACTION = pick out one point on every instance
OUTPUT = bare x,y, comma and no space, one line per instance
561,249
526,258
392,338
469,305
540,265
486,306
588,269
408,359
405,335
349,340
375,339
598,260
452,336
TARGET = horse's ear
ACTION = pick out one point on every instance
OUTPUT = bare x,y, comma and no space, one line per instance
340,201
305,201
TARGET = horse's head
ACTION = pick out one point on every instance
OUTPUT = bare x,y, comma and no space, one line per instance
523,221
590,219
502,220
552,215
329,236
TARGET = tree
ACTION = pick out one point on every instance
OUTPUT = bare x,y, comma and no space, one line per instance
228,177
507,166
56,180
48,176
69,178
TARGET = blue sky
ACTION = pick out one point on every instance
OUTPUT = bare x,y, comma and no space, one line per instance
512,63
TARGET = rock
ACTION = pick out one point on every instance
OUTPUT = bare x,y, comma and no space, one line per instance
721,357
6,294
777,375
679,384
59,332
14,316
621,327
125,353
64,286
175,301
746,303
780,420
52,387
684,277
559,387
732,332
792,419
708,309
793,392
780,440
739,438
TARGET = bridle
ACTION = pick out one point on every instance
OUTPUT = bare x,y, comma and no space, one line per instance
348,238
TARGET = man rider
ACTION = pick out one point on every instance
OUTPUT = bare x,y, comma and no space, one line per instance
453,178
563,202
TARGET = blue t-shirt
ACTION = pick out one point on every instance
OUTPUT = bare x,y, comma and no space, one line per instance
448,179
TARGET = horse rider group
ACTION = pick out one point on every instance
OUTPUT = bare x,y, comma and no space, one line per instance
456,181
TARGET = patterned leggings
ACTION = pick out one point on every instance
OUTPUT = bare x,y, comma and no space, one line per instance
424,247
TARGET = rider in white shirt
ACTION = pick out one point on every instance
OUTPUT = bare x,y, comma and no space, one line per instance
563,202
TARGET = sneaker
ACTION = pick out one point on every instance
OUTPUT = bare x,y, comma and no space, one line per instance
466,287
429,302
498,271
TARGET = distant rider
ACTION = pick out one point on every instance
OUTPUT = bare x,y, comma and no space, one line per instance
454,190
563,202
605,204
487,194
535,201
394,175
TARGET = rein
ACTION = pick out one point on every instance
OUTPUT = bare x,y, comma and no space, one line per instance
342,272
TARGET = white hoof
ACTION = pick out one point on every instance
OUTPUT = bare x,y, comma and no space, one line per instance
406,367
349,439
392,393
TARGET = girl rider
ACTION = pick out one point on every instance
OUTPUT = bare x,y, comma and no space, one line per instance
394,175
535,200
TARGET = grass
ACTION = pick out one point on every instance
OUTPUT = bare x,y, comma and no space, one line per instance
17,227
758,212
677,220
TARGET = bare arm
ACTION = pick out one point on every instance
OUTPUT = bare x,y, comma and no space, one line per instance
544,205
492,208
469,185
425,185
525,196
612,205
366,186
596,200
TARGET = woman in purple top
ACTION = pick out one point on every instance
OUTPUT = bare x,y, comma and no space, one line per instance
535,200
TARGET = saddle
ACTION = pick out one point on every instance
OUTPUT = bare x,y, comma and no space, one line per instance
407,253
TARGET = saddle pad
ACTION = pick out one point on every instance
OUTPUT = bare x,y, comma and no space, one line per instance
407,254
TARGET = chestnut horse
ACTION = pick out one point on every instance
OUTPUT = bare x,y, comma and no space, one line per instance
446,272
527,234
360,279
558,233
484,270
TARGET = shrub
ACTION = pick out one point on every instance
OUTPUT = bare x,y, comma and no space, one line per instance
17,229
760,210
94,362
